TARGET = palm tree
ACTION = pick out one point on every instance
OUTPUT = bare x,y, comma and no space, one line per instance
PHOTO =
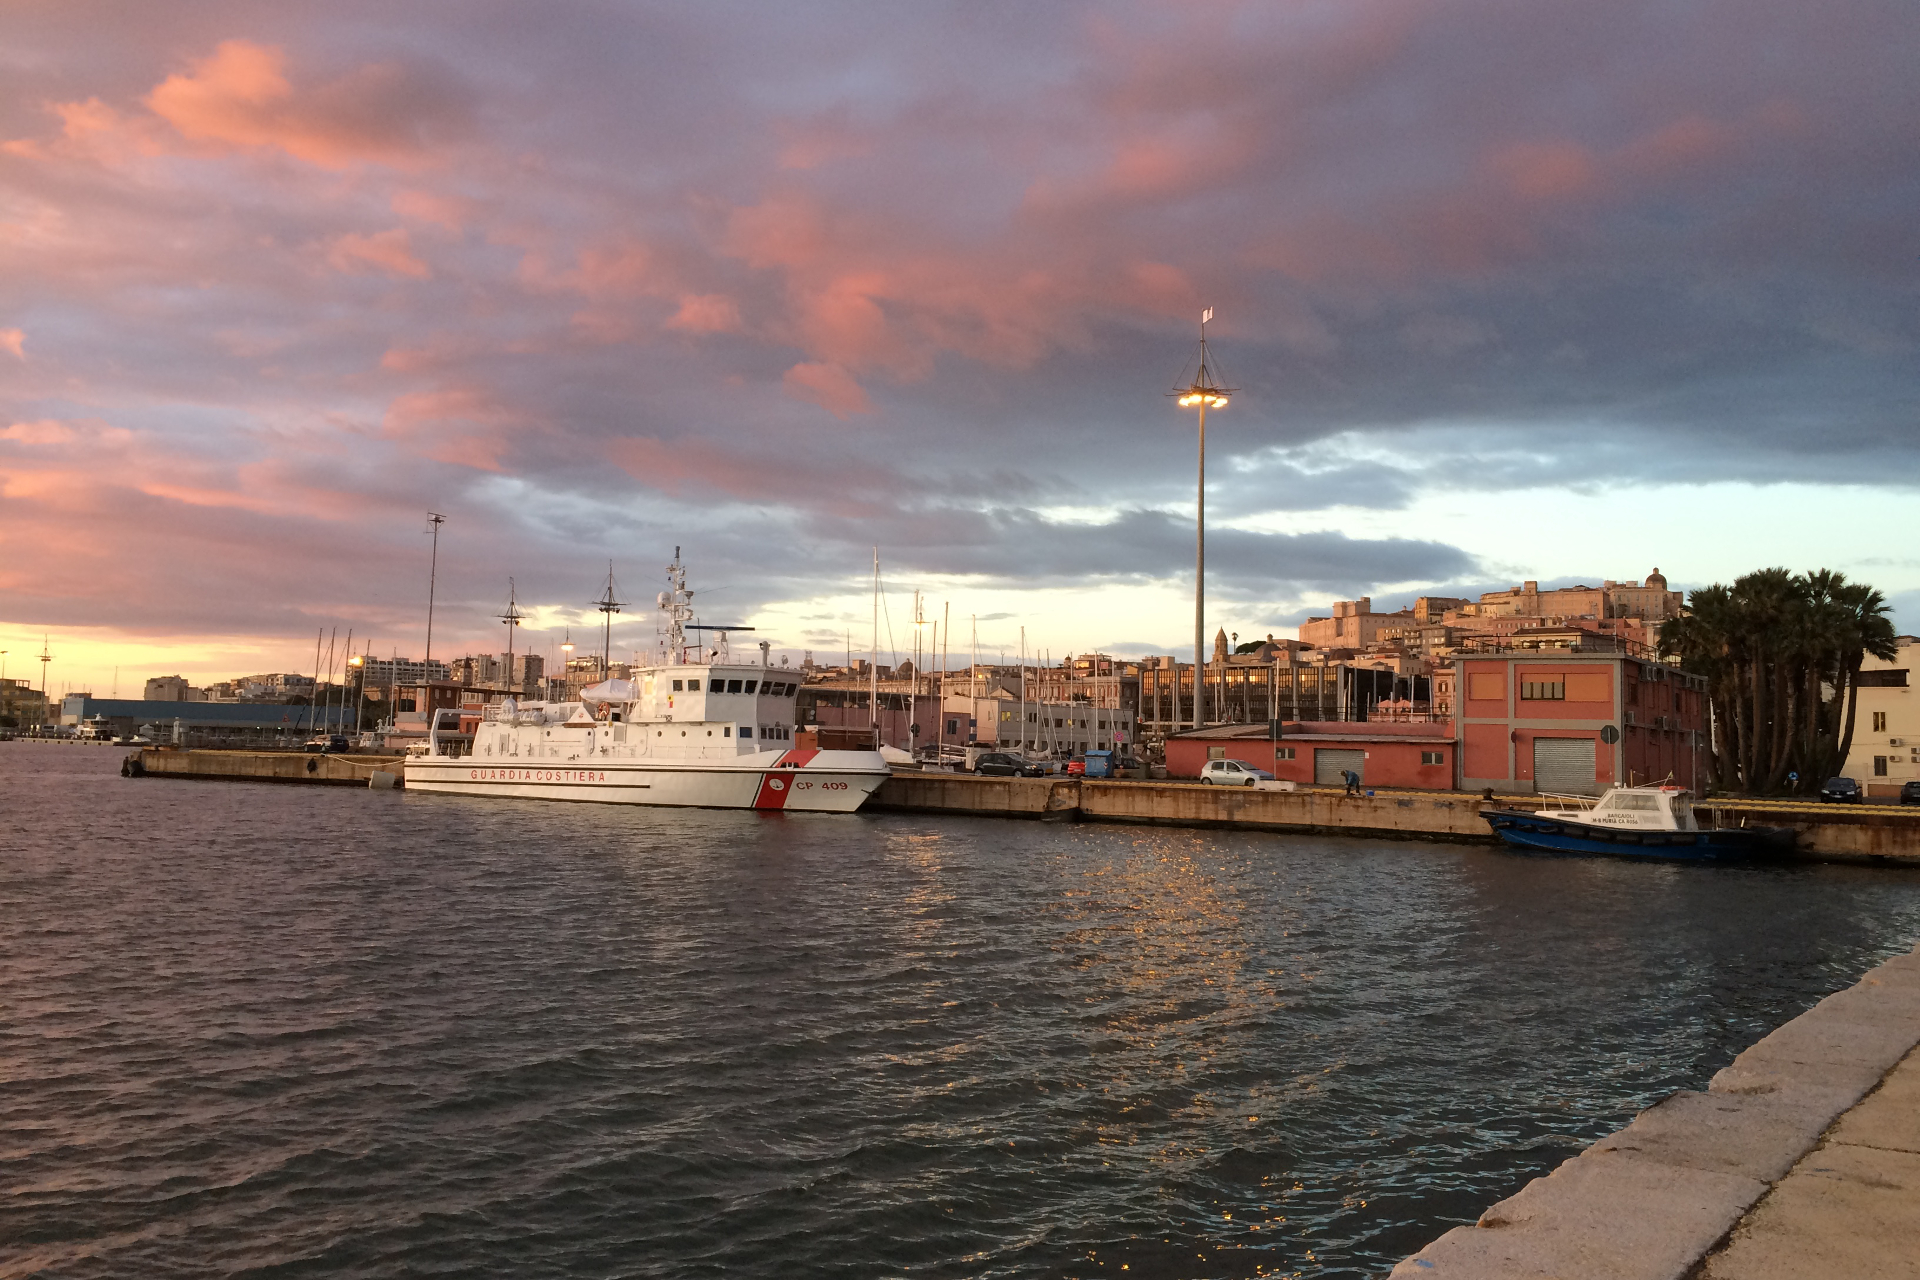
1781,653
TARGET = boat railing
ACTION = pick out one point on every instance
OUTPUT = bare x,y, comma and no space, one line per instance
1577,802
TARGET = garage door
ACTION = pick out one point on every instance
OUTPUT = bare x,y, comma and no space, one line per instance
1564,766
1330,762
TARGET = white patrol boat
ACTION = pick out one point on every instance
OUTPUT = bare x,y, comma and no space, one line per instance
708,733
1648,822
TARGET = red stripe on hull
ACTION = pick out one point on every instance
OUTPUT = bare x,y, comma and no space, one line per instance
774,788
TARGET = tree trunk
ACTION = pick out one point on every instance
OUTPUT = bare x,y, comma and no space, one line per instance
1849,690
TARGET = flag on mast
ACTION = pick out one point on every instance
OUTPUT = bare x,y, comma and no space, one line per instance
1206,315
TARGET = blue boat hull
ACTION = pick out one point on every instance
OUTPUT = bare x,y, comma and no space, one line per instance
1526,830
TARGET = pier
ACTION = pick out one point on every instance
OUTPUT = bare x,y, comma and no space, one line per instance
264,766
1856,833
1840,833
1801,1158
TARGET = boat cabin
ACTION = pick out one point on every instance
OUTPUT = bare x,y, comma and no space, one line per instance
1636,808
696,711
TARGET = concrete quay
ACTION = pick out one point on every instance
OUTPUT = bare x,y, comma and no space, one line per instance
261,766
1827,833
1801,1160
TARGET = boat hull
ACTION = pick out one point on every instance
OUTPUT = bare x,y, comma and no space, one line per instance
791,781
1525,830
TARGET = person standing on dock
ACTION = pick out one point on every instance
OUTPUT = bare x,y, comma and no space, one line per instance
1353,781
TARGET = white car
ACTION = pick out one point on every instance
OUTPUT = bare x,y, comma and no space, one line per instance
1232,773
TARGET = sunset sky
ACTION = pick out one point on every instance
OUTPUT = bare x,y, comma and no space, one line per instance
1511,290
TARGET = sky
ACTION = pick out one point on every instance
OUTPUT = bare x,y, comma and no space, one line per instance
1508,291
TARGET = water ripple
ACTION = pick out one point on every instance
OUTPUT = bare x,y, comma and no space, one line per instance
277,1031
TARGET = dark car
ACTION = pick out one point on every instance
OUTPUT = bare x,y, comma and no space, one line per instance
1000,764
330,744
1841,791
1910,793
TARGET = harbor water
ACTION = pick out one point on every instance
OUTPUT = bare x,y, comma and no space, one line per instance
258,1030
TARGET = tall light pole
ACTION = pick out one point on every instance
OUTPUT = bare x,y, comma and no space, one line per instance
1204,392
433,572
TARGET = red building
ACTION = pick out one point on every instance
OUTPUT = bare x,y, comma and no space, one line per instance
1557,721
1319,752
1575,722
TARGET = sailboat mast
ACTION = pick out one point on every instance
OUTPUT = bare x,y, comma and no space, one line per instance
873,657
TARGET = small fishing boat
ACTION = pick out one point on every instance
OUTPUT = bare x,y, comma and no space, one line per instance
1634,822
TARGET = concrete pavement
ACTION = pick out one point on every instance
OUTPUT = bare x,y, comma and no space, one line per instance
1802,1159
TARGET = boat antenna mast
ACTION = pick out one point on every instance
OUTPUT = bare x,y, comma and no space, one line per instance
608,605
511,620
677,603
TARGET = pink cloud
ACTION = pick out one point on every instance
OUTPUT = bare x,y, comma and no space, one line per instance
240,97
706,313
390,251
15,341
684,468
425,206
462,425
1546,171
829,386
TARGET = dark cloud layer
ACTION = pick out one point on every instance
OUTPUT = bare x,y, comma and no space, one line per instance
597,281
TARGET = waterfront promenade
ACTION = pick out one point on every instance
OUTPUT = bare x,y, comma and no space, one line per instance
1801,1159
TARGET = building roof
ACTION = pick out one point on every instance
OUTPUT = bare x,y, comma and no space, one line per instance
225,715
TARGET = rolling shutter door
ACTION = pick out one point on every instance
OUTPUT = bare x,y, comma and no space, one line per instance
1564,766
1330,762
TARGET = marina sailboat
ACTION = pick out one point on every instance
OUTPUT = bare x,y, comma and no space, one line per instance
697,729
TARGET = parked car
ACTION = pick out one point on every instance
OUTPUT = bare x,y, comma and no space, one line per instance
1910,793
1842,791
1002,764
1232,773
329,743
1077,767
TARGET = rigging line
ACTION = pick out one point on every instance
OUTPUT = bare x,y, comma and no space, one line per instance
888,615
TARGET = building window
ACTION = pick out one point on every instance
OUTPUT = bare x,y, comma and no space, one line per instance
676,686
746,731
752,684
1433,757
1879,766
1543,690
733,686
1879,722
953,726
1283,753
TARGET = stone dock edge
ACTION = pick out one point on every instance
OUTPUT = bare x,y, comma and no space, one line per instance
1657,1199
1829,833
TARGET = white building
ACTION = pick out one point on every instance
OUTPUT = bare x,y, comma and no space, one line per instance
384,673
1886,726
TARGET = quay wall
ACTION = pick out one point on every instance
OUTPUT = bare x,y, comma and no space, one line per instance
1829,833
1826,833
262,766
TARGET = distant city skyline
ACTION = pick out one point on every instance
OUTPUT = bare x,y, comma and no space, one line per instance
1509,292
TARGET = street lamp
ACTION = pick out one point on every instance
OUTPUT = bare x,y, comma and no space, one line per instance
1203,393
